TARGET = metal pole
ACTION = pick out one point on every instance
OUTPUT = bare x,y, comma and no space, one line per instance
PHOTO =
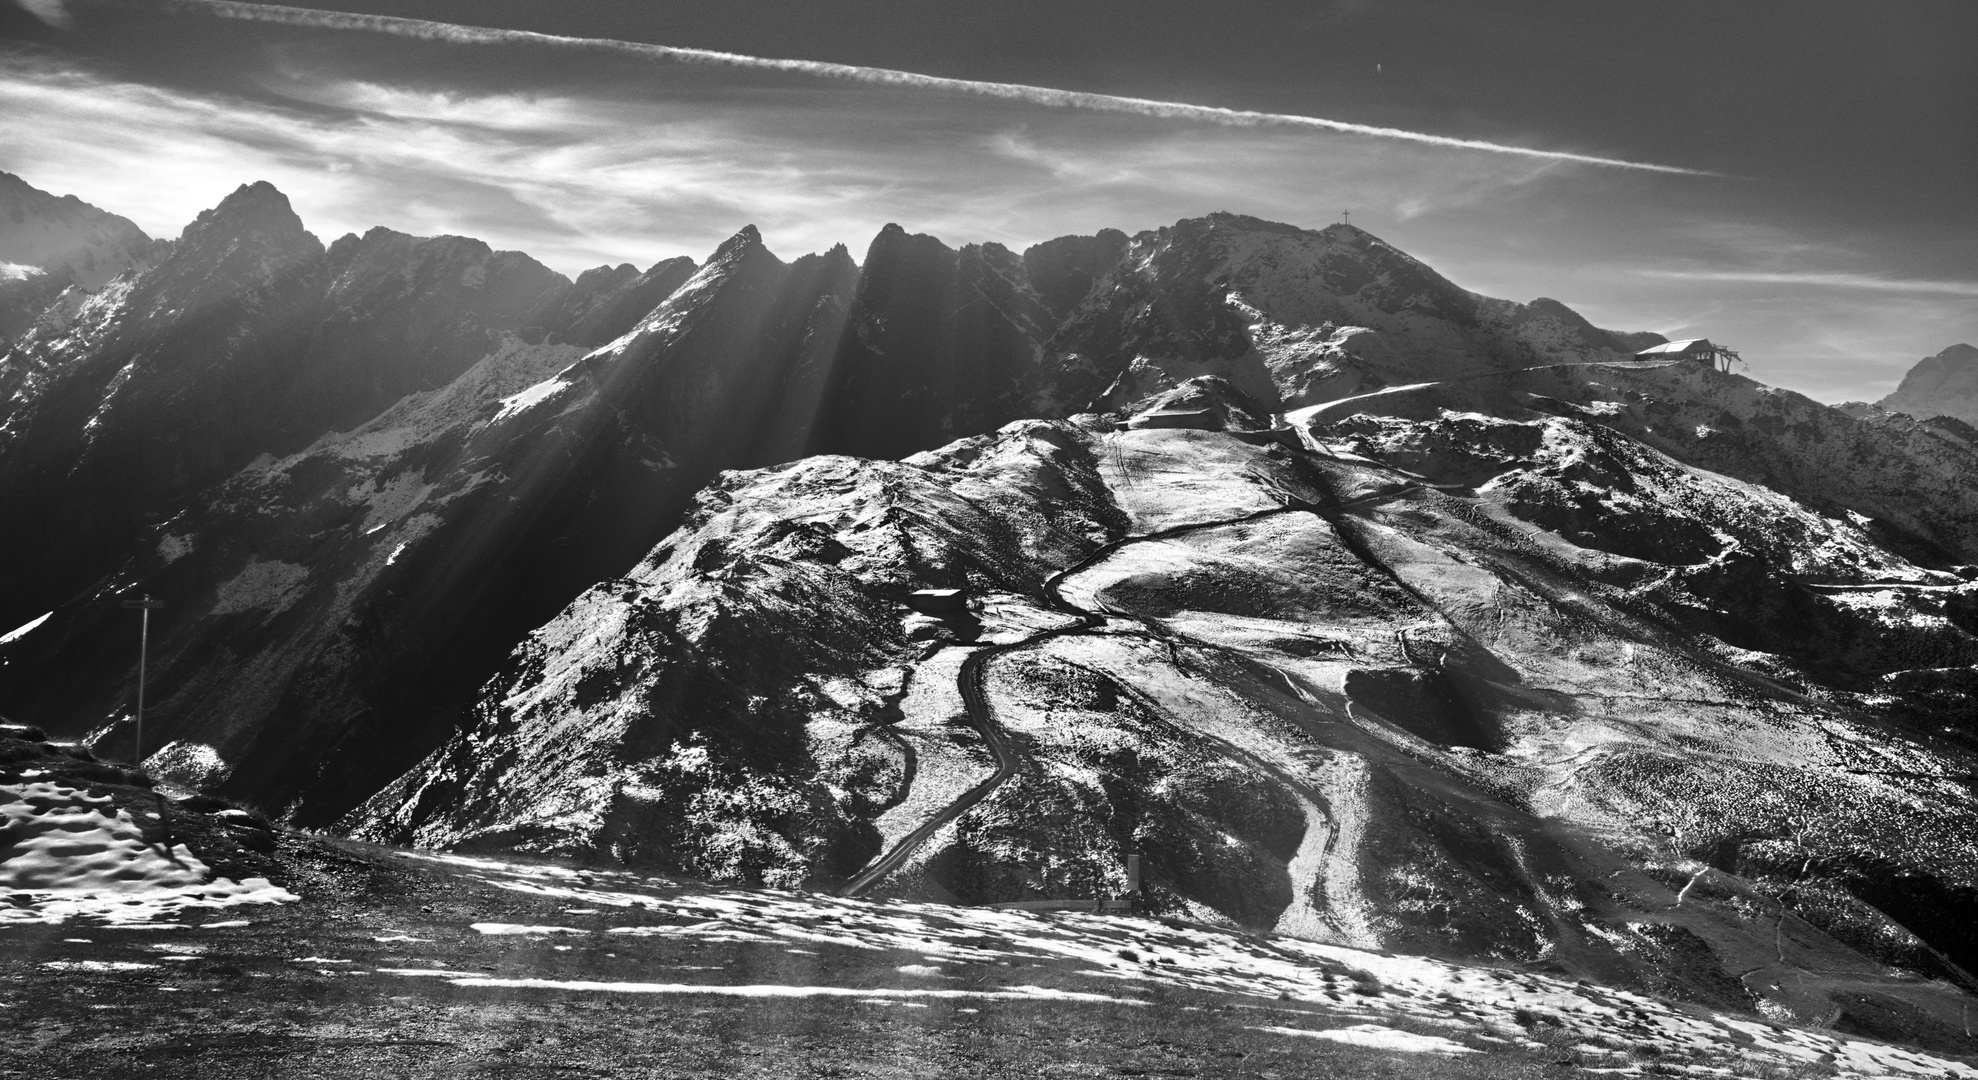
143,604
143,648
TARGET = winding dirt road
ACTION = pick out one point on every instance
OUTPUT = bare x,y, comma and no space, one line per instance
975,698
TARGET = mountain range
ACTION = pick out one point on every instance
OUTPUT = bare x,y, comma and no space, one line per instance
1361,607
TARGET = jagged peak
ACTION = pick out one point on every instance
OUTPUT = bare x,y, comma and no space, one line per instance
1545,305
837,255
1224,218
746,240
600,276
894,243
257,199
257,210
668,265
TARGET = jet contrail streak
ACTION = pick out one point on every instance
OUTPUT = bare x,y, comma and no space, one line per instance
454,33
1838,281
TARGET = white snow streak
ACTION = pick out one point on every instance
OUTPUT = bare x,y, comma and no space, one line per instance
24,629
502,929
779,990
1381,1038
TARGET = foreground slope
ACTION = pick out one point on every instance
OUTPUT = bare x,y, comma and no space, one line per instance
366,961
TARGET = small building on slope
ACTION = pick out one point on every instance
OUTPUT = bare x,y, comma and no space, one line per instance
1696,350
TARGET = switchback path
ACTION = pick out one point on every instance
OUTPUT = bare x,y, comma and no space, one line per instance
975,698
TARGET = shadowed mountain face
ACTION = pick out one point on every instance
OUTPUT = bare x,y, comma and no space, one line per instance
1367,608
247,339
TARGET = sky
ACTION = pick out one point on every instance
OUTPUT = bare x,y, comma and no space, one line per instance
1797,179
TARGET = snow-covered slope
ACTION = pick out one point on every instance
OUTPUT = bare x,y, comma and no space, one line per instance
1482,691
80,840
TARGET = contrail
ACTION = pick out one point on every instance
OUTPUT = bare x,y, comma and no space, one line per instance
1838,281
454,33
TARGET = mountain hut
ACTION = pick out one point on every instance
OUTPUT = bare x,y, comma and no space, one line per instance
1696,350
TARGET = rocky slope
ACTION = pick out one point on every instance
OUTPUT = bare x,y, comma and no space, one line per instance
1942,385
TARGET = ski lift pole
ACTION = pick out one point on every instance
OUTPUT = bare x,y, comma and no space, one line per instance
144,604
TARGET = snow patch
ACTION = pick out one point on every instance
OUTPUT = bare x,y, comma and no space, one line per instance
24,629
502,929
1380,1038
75,855
528,399
779,990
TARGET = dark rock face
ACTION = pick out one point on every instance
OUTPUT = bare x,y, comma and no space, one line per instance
248,339
1942,385
937,344
166,383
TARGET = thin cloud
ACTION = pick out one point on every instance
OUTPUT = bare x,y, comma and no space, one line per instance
1823,280
51,12
457,34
